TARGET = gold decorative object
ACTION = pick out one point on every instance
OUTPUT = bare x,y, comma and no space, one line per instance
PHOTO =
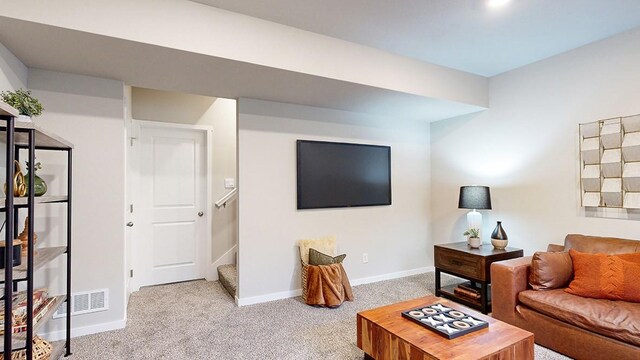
24,237
19,185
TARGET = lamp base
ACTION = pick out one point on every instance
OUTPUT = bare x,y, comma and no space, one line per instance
474,221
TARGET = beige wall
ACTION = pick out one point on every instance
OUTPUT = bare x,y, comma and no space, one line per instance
526,146
219,113
88,112
396,237
13,75
78,108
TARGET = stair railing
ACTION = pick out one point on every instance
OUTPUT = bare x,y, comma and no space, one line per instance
231,195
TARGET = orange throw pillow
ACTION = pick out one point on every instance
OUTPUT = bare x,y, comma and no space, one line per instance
602,276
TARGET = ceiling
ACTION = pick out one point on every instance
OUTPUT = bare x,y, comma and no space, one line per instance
461,34
150,66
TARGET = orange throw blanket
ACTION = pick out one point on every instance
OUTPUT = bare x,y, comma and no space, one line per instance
328,285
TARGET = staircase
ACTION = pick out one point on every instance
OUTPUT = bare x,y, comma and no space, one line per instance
228,276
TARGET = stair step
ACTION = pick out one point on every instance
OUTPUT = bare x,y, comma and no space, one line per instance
228,276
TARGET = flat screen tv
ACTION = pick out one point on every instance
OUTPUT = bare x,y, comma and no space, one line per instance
332,175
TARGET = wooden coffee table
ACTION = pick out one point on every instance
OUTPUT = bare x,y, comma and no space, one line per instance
383,334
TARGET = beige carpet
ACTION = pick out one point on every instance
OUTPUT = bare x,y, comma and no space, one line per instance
228,276
198,320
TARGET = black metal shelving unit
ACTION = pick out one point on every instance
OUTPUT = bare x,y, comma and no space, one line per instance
28,136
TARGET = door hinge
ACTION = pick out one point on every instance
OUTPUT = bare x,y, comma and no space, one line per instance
131,208
131,273
131,139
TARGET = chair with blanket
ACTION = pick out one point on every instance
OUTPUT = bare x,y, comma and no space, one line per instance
324,281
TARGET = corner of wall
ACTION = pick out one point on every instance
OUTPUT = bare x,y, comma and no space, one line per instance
13,73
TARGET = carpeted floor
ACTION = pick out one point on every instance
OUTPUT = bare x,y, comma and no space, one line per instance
198,320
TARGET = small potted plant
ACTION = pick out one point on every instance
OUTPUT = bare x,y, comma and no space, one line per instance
474,237
24,102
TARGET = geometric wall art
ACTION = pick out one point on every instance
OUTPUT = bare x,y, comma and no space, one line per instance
610,163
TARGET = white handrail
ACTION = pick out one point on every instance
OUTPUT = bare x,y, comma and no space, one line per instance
231,195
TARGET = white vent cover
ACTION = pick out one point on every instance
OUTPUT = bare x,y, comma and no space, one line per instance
85,302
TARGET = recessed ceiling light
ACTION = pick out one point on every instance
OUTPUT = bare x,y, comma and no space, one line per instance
497,3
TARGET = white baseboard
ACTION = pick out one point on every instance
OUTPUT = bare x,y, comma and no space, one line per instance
391,276
269,297
354,282
86,330
227,258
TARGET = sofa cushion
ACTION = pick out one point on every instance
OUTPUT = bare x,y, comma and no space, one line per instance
550,270
599,244
615,319
602,276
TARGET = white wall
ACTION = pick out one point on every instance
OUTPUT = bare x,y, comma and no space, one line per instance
13,73
89,113
219,113
77,108
13,76
526,146
396,237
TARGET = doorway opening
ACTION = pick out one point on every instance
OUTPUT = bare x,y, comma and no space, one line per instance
181,189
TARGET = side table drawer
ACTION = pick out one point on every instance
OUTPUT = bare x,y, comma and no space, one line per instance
458,263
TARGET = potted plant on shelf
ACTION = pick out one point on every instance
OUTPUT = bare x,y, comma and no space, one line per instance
474,237
24,102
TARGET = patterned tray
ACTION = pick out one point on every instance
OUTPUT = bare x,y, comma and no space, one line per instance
445,321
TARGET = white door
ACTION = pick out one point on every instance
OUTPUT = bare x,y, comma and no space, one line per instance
171,201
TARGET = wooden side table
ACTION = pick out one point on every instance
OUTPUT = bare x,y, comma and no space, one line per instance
461,260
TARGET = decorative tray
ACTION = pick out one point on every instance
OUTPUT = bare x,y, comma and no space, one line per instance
445,321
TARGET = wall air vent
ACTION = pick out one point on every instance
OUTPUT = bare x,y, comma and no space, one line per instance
85,303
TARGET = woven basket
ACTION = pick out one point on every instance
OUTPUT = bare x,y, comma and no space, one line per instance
305,271
41,351
326,245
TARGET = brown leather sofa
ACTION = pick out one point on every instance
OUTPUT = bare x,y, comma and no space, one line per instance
578,327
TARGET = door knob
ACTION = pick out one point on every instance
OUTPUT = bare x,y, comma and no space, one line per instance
130,224
200,213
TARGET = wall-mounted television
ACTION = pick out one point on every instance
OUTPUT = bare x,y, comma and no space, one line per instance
332,174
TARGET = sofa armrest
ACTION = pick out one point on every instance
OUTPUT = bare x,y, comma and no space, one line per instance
508,278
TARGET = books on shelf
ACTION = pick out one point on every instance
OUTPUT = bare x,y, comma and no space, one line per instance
467,292
470,287
38,314
41,304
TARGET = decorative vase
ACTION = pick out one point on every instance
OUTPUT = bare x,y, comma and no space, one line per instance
24,237
19,185
499,238
39,185
24,118
475,242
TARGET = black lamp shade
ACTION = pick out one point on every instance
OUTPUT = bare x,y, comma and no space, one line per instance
474,197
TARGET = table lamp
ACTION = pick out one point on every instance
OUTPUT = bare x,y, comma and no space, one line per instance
474,198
